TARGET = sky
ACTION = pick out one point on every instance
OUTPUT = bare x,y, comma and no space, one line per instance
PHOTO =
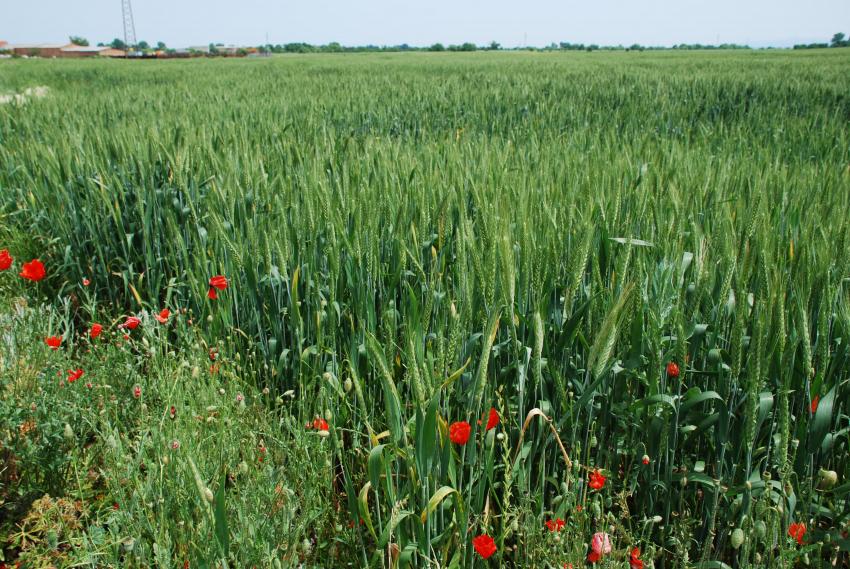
181,23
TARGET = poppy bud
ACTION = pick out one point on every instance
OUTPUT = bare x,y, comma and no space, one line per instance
208,495
68,433
827,479
127,544
737,538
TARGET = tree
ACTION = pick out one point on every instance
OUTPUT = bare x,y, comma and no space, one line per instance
160,45
437,47
78,40
494,46
143,45
838,40
118,44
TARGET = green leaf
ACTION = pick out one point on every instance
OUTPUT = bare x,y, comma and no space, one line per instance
632,241
435,500
711,565
821,420
655,399
363,502
426,435
376,465
690,400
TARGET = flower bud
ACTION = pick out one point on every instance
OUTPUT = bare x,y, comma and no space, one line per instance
737,538
827,479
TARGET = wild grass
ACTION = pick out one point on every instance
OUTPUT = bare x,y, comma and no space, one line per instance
414,239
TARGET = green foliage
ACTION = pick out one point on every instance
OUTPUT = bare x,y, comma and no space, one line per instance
411,240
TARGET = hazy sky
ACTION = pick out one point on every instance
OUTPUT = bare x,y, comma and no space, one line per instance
180,23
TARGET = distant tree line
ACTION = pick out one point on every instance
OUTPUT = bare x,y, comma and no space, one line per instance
838,40
335,47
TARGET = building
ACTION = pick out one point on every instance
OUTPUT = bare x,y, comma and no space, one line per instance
64,50
4,45
40,49
90,51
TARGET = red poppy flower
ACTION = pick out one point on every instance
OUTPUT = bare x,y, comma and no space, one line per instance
33,271
555,525
95,331
634,559
815,402
131,323
217,282
797,530
172,412
163,315
54,342
5,260
492,419
645,460
320,424
484,545
137,391
593,557
86,282
459,432
597,481
672,370
74,375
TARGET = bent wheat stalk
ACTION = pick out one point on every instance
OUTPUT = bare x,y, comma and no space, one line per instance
536,412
